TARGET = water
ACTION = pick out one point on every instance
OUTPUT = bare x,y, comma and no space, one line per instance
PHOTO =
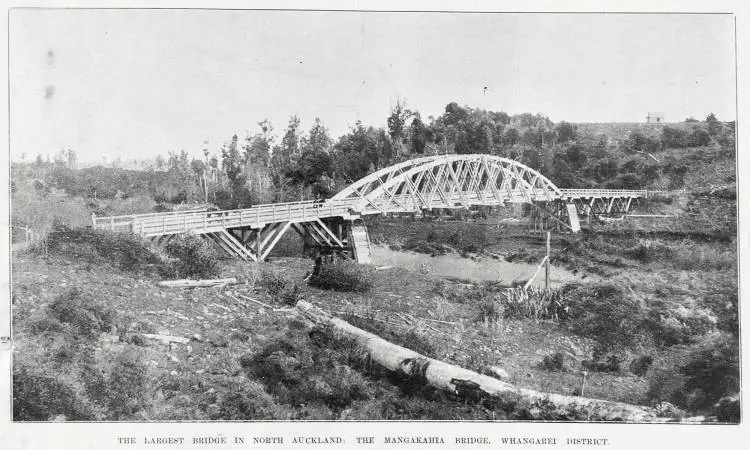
484,269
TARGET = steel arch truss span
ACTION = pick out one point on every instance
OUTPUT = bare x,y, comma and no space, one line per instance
448,181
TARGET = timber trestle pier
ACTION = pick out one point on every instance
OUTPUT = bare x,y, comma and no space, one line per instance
444,181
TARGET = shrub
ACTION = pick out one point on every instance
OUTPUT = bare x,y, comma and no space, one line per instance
195,257
345,276
87,318
665,386
603,312
672,324
240,398
124,250
674,137
39,395
554,362
535,303
611,363
712,373
44,324
639,366
281,288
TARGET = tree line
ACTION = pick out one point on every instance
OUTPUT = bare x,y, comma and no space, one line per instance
308,164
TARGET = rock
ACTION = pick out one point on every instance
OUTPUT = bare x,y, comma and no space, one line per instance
497,372
529,375
174,358
60,418
189,349
173,373
197,337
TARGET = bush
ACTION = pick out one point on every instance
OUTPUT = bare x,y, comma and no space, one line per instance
666,386
674,137
296,371
39,395
611,363
604,313
280,288
87,318
124,250
195,257
535,303
345,276
673,324
554,362
712,373
640,365
240,398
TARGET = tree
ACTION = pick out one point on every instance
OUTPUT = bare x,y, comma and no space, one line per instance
565,132
318,140
417,135
231,161
576,156
674,137
454,114
288,150
397,121
510,137
714,126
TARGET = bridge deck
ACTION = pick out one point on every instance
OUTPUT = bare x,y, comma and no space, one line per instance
157,224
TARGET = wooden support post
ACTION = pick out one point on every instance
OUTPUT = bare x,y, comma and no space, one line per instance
546,264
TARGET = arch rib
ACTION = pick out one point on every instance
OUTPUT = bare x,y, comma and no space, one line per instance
456,179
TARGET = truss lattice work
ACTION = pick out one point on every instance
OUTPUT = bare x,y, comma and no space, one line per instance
448,181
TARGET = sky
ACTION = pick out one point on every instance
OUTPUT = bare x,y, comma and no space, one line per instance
136,83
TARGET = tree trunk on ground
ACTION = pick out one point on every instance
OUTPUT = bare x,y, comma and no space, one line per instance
465,382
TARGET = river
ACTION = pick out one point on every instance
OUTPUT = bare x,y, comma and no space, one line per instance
483,269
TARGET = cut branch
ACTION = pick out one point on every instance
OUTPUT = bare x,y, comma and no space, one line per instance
198,283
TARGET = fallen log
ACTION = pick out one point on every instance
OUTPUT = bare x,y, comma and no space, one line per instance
464,382
197,283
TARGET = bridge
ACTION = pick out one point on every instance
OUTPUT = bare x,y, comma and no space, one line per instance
443,181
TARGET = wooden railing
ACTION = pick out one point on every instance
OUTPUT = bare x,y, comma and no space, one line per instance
180,222
154,224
